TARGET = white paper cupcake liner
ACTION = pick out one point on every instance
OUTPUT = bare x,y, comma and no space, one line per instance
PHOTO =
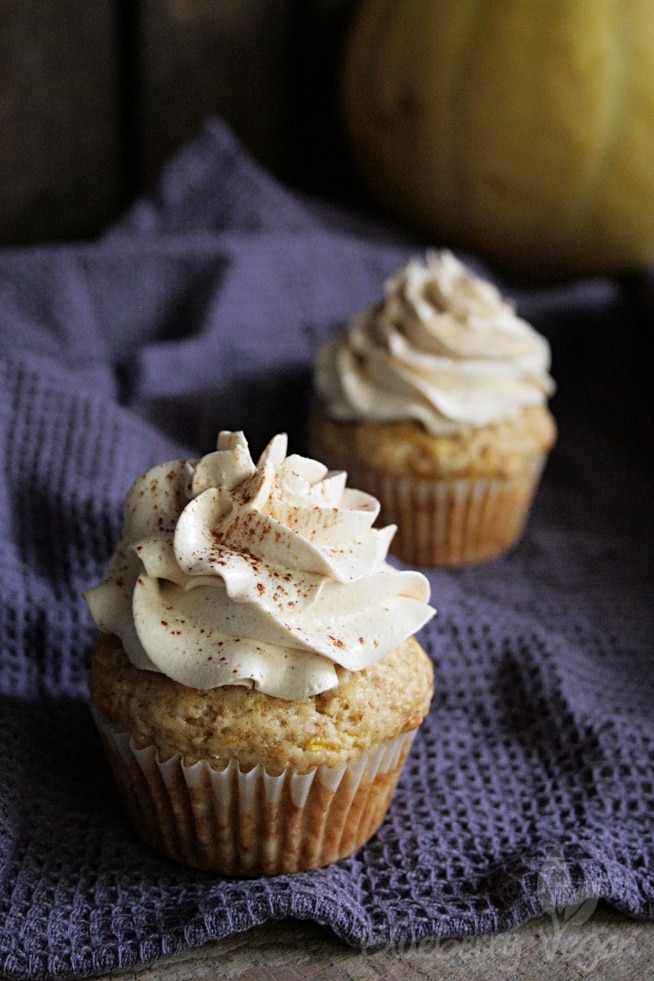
451,522
253,823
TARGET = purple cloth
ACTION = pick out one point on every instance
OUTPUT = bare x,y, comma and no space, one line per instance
530,786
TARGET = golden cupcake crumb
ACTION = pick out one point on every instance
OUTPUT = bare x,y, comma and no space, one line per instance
407,449
333,728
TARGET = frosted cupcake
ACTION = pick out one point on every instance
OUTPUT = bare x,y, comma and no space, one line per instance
256,683
435,402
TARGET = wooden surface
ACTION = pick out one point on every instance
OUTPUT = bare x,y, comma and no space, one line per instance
60,168
607,946
230,59
97,95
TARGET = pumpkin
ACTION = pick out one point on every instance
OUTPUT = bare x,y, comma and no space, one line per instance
521,129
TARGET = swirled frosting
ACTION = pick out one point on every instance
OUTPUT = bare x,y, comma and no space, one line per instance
267,575
443,348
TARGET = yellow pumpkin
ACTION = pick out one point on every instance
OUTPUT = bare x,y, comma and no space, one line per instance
522,129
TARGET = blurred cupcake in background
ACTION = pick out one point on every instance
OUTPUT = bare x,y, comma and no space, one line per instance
435,401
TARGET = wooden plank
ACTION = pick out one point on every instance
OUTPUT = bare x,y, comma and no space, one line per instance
230,59
59,128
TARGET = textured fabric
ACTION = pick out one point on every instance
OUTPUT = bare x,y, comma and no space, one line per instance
530,786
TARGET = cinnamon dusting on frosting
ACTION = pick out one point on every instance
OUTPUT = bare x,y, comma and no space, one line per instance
276,565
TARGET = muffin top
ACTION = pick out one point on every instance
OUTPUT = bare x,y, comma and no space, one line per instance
381,701
401,449
443,349
266,575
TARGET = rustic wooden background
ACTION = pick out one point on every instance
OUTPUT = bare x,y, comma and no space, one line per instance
95,95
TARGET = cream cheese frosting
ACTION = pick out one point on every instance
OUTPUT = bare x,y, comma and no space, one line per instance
266,575
443,348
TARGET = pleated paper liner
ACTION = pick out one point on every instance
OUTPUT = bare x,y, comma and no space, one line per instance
451,522
251,823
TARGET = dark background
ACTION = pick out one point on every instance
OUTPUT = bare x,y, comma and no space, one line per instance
96,95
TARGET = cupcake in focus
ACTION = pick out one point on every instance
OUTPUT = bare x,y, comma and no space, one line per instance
257,683
435,401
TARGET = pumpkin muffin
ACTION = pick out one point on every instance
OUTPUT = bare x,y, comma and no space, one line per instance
256,682
434,401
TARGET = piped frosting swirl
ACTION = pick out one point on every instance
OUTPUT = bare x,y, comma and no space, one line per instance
266,575
443,348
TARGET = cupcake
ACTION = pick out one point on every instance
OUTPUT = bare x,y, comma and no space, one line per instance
435,402
256,683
